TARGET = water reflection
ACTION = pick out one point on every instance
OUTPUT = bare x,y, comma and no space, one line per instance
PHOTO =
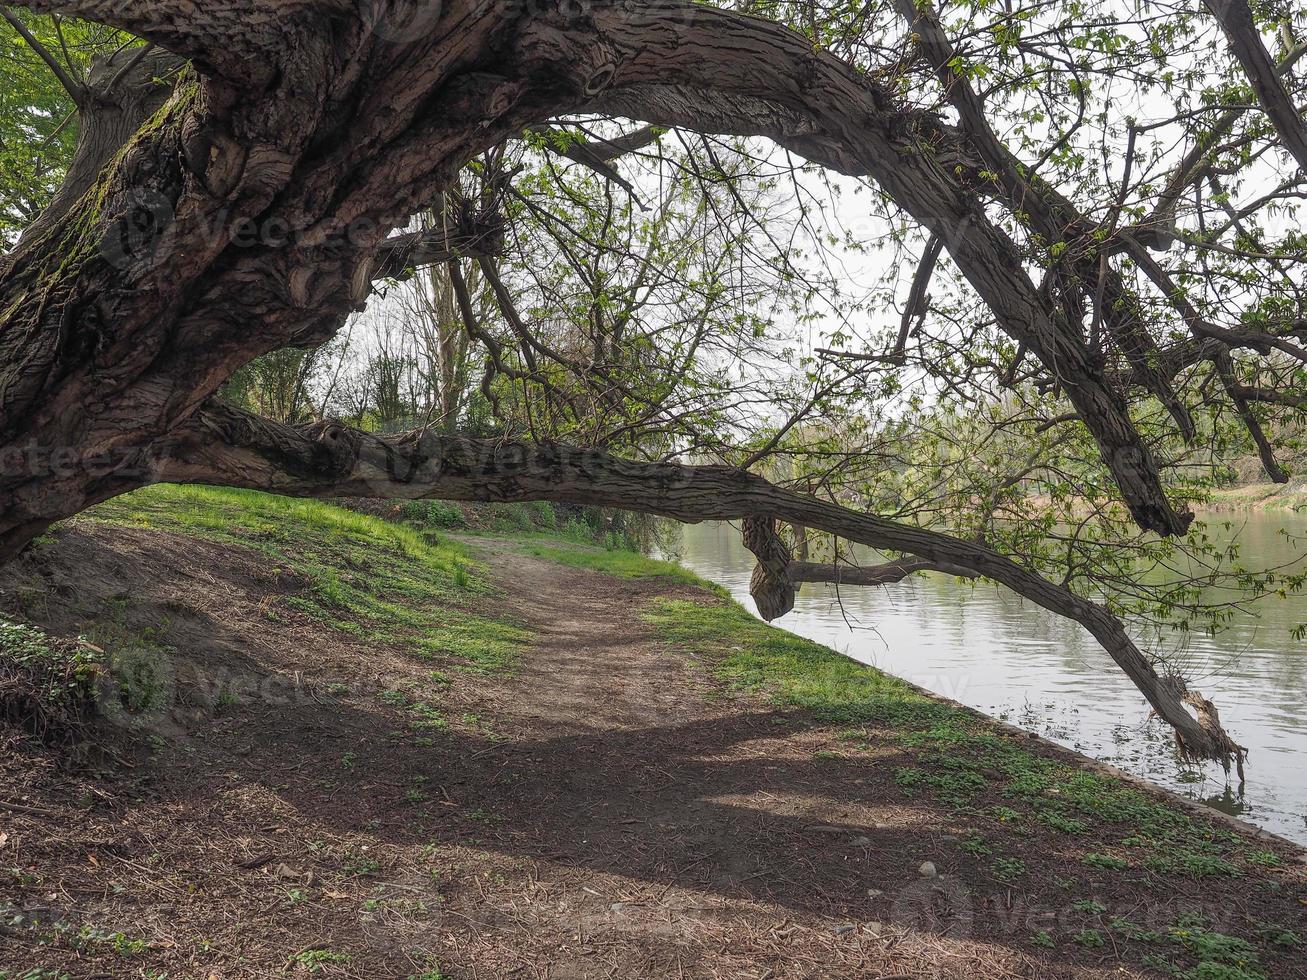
985,647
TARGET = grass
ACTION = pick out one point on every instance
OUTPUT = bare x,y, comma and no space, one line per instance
964,762
611,561
369,578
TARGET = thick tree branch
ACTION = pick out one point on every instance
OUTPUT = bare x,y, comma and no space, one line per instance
1236,19
238,39
767,81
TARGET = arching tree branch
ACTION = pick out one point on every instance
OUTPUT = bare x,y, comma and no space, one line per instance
224,446
821,108
234,38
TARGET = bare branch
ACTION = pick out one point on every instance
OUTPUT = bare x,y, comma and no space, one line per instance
76,91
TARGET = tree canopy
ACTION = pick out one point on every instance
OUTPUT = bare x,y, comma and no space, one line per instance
999,289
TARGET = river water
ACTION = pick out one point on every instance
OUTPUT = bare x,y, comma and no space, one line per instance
994,651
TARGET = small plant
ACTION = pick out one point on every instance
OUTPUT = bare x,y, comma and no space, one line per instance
227,700
1089,906
1043,938
1007,869
1089,938
315,960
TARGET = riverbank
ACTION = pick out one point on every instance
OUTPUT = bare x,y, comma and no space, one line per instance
360,750
1290,496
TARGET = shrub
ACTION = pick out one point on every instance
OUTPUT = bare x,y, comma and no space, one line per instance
47,685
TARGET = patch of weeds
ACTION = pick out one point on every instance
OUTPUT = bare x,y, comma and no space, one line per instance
1089,906
1220,971
1215,946
1060,821
977,846
1043,938
316,960
1131,930
423,716
1089,938
1220,957
1277,935
1105,861
1263,859
1007,869
89,937
1193,865
360,864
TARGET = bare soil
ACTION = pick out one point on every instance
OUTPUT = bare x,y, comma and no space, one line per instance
606,810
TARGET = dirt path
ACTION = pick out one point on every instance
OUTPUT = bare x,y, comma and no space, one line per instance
608,810
594,665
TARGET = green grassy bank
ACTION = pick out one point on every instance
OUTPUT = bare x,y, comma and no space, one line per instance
413,587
